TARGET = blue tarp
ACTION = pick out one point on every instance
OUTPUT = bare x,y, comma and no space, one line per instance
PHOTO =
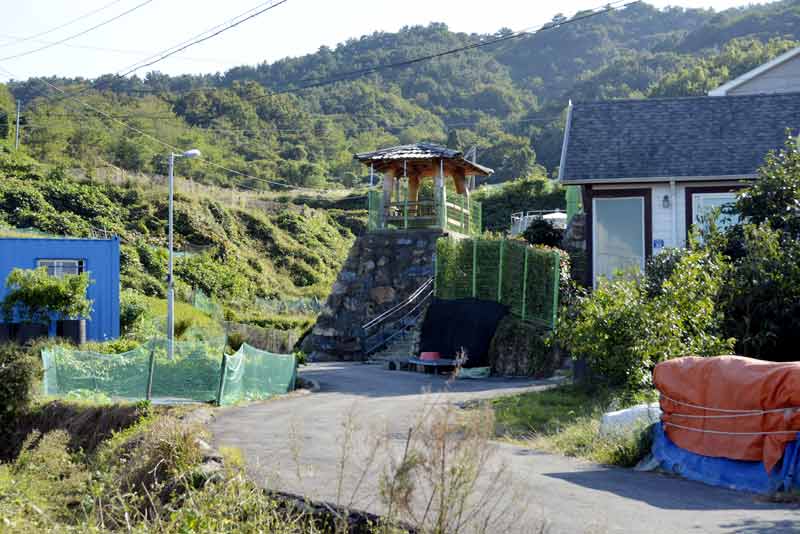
732,474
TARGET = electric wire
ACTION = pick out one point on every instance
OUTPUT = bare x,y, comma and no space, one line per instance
60,26
354,74
79,34
613,6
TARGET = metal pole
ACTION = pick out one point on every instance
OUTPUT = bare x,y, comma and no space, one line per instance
222,372
170,282
525,284
556,287
371,174
474,267
149,393
16,133
500,272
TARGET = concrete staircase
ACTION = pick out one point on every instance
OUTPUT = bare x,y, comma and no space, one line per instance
404,346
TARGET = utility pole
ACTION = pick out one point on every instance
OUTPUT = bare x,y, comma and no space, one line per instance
16,132
170,281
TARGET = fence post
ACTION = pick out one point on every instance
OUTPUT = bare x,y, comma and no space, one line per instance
556,287
474,266
525,284
150,369
500,272
222,372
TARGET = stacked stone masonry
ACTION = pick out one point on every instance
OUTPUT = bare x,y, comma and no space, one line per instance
382,270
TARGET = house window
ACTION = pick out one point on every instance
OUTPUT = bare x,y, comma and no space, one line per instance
704,205
59,268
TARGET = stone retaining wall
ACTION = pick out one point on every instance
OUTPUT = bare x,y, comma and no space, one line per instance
382,270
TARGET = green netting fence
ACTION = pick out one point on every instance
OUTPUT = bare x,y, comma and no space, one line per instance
523,278
253,374
196,373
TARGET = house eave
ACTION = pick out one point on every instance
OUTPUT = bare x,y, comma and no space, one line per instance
724,89
659,179
565,142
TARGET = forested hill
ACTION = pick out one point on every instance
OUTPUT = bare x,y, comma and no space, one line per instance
507,99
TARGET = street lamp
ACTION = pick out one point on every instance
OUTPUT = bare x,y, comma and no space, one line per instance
193,153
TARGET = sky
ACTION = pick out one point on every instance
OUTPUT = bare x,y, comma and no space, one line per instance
293,28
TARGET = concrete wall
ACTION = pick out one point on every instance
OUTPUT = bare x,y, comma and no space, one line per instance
101,260
382,270
784,78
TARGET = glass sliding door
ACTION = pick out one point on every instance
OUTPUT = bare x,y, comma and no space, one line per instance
618,228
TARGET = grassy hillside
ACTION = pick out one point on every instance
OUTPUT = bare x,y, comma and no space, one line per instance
236,254
507,99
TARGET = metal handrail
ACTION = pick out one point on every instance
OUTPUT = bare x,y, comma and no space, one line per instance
401,330
382,317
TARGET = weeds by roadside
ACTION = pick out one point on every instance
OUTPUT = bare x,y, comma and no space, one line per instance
566,420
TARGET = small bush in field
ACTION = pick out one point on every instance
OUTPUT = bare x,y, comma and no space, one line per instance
20,369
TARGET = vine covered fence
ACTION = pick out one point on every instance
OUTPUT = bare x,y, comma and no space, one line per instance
198,372
512,273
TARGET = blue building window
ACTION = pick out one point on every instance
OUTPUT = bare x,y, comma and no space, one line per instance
59,268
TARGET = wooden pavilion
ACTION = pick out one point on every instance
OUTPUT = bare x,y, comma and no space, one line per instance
403,168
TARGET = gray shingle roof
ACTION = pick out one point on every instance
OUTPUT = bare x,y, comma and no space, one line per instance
676,137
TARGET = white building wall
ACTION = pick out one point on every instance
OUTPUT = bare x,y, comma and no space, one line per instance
783,78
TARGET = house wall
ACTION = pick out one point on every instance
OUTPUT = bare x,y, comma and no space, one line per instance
668,224
662,217
101,261
784,78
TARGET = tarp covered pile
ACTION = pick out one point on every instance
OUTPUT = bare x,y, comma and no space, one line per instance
730,407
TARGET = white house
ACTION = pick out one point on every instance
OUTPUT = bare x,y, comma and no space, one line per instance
649,169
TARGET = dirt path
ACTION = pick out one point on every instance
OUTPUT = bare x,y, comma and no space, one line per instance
295,444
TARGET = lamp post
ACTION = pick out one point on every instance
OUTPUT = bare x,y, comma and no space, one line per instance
170,281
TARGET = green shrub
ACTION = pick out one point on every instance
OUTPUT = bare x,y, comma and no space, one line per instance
542,232
521,349
622,332
132,310
20,371
762,294
660,267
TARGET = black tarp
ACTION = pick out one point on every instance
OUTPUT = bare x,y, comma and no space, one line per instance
468,324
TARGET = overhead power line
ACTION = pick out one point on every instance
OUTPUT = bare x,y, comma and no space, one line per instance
76,35
614,6
358,73
192,41
263,8
118,51
60,26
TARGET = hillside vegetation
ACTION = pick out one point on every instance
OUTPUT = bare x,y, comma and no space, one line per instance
508,99
235,254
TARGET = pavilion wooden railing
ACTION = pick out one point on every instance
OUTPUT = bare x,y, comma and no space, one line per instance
455,213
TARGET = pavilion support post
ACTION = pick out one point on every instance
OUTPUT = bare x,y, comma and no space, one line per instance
405,196
442,194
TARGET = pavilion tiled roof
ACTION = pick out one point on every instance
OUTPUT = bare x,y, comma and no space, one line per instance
419,151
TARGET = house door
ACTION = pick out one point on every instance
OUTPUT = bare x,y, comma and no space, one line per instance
618,228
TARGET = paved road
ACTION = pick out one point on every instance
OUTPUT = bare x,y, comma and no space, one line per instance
295,444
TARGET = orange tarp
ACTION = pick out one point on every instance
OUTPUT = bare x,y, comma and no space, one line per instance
712,406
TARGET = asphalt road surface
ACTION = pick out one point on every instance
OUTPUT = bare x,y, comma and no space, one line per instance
321,445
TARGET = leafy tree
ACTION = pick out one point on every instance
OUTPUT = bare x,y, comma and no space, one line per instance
34,296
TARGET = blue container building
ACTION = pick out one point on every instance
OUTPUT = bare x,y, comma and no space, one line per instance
98,257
